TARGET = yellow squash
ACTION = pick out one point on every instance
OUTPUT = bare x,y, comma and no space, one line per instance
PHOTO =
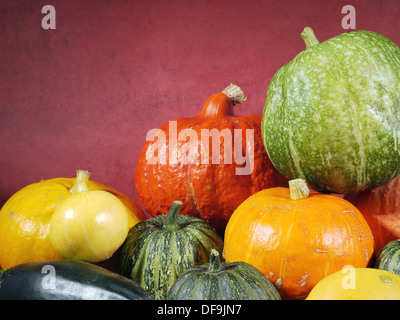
357,284
25,219
89,225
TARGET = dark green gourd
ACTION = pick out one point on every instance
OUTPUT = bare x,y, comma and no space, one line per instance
160,249
388,257
223,281
332,114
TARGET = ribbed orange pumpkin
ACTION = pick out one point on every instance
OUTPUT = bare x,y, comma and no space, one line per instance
296,239
381,209
207,189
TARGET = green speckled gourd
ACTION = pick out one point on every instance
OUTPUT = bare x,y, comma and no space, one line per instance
223,281
388,257
332,114
160,249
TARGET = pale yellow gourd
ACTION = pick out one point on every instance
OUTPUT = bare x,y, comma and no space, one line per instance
90,225
357,284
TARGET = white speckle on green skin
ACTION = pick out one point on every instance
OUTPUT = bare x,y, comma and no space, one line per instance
339,98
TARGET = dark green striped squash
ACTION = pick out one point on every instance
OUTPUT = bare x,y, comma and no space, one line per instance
223,281
157,251
332,114
388,257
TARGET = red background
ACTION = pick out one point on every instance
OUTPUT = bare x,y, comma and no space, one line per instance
84,96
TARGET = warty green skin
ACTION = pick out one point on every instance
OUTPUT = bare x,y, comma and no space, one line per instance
154,257
234,281
332,114
389,257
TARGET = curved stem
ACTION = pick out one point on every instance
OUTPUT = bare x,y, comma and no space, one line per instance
214,264
171,222
81,182
220,105
309,37
298,189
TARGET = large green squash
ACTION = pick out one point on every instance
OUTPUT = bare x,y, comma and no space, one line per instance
157,251
332,114
223,281
388,258
67,280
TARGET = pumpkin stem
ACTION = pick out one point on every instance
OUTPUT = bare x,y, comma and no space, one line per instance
171,222
298,189
235,94
309,37
215,263
81,182
220,104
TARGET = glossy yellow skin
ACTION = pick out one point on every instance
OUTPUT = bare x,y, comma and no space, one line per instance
89,226
25,219
357,284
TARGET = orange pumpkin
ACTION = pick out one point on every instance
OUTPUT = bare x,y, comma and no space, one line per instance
381,209
177,163
296,237
25,219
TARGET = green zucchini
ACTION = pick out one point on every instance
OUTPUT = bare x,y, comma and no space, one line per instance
67,280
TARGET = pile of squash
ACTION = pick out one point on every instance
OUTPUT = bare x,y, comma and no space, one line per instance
300,202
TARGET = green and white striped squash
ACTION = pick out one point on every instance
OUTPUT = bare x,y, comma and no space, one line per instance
223,281
332,114
388,257
160,249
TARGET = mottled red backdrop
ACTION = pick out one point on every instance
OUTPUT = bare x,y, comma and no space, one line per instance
83,96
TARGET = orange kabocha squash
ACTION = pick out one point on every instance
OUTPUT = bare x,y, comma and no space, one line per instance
381,209
211,162
25,219
296,237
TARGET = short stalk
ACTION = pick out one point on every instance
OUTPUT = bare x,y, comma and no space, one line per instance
81,182
215,263
309,37
298,189
171,222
